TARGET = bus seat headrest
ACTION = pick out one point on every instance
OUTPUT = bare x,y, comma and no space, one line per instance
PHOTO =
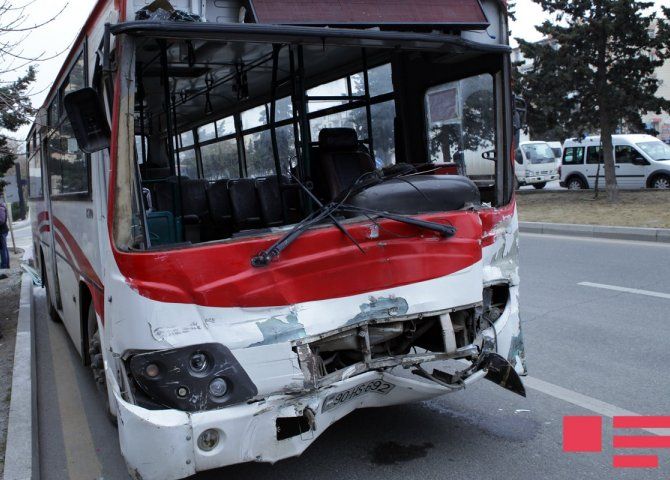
332,139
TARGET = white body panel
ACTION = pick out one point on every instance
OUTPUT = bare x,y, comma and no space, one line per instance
629,175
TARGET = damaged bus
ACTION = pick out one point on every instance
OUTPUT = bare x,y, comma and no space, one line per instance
253,219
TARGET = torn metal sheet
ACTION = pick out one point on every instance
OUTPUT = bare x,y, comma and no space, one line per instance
378,308
501,260
517,352
501,372
278,330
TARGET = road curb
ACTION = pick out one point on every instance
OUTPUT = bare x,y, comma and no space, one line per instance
660,235
21,448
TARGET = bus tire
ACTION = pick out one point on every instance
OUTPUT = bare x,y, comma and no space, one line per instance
539,186
97,364
660,181
575,183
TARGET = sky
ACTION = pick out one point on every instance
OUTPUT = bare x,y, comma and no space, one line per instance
58,36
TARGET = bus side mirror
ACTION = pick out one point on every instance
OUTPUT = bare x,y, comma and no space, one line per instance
88,120
640,161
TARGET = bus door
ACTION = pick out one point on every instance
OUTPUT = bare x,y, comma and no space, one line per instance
50,263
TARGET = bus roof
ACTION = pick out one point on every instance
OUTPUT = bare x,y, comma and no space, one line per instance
304,34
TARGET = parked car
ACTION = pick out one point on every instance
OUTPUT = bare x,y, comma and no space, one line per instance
535,164
641,161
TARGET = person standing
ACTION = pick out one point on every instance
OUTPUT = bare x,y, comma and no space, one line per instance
4,230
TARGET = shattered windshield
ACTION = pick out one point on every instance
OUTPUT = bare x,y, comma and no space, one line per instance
657,150
539,153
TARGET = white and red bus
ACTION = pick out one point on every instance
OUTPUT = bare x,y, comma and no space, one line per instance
253,217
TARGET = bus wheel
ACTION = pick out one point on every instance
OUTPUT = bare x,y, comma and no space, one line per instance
53,313
661,182
575,183
97,363
539,186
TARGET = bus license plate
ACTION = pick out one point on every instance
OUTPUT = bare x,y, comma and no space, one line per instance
374,386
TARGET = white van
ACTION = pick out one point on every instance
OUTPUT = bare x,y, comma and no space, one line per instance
557,149
641,161
535,164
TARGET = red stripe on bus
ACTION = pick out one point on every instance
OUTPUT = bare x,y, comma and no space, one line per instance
84,265
322,264
66,252
44,228
81,265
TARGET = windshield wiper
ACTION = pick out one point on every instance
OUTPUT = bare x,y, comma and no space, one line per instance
265,257
444,230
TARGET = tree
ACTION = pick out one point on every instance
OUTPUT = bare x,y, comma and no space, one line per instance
16,108
547,117
597,70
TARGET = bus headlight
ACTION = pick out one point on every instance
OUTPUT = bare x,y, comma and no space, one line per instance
192,379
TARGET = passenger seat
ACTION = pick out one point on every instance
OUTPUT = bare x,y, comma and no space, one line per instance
220,210
245,207
195,209
270,201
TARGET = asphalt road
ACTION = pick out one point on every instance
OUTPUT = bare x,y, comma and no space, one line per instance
590,350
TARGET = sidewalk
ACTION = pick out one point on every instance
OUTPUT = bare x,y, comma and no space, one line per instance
10,290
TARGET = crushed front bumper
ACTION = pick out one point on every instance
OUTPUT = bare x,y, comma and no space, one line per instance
163,444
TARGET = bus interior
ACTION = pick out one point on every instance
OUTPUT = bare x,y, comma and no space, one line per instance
243,138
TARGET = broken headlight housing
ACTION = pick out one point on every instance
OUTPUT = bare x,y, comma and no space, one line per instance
192,379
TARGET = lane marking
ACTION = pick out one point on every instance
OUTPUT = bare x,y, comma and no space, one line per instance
584,401
636,291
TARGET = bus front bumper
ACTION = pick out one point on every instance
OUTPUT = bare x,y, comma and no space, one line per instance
168,444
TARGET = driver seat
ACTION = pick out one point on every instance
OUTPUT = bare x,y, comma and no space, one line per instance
341,160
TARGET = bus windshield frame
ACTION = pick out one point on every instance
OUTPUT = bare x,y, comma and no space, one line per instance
375,50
